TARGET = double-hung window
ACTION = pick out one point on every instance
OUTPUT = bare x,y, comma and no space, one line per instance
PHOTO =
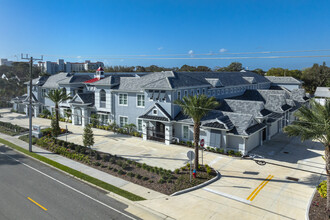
123,121
185,132
139,125
140,100
122,99
185,93
179,95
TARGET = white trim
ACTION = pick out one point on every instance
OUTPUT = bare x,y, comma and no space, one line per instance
137,124
137,100
177,94
121,116
188,138
119,99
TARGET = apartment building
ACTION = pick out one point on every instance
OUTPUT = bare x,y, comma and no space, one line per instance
61,66
253,108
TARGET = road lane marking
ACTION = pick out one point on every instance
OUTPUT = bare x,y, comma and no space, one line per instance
259,188
37,204
227,195
70,187
248,198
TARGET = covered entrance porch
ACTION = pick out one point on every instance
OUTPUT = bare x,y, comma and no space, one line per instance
157,131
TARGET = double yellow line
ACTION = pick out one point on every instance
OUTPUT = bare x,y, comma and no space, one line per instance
259,188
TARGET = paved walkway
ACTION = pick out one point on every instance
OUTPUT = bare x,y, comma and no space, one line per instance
246,190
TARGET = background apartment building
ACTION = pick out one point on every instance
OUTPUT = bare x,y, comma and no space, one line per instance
60,66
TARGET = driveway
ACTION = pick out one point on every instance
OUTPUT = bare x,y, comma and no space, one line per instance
247,190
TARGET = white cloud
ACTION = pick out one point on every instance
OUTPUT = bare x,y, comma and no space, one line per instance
190,52
160,48
78,57
222,50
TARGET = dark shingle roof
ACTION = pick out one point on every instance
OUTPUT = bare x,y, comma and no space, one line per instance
255,128
274,116
163,111
214,125
157,118
285,107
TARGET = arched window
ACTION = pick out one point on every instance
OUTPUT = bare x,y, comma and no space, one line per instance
103,98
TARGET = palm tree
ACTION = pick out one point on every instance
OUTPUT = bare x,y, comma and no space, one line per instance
197,107
57,96
314,123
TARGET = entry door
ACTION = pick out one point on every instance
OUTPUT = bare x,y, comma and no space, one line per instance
215,138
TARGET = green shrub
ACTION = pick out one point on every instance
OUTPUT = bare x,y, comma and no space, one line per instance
238,154
231,152
189,143
188,165
221,151
208,170
130,174
105,158
208,148
112,160
145,178
97,163
161,180
121,172
115,170
98,156
176,171
322,189
138,176
110,167
124,166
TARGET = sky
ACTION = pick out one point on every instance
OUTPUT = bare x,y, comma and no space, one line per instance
114,31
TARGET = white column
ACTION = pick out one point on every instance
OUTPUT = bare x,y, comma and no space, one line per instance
144,130
27,110
73,115
224,140
244,145
36,110
84,119
168,134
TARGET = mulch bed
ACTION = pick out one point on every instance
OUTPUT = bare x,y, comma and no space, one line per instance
155,178
317,210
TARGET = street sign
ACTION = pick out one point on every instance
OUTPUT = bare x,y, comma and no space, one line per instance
190,155
202,143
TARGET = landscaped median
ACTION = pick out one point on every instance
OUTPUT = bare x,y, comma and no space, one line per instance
76,173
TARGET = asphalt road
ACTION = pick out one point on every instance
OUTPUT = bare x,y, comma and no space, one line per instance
32,190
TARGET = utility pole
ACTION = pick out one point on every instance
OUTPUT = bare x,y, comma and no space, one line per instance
30,99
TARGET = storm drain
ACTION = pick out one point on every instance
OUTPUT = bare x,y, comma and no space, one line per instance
285,152
292,178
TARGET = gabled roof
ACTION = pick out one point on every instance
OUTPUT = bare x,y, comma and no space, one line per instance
83,98
77,79
38,81
251,80
165,117
215,82
92,80
283,80
53,81
27,99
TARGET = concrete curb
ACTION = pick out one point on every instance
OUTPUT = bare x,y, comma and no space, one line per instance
309,205
198,186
